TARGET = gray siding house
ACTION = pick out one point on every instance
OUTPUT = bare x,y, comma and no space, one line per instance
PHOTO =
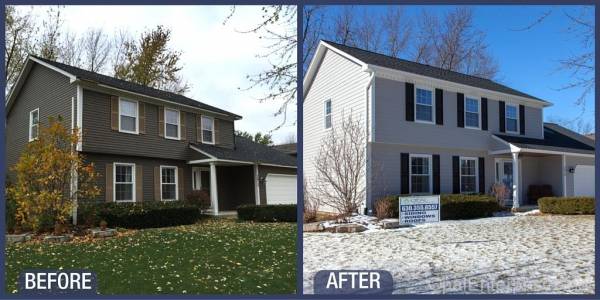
147,144
432,131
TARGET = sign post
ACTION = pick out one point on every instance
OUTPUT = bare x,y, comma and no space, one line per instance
419,209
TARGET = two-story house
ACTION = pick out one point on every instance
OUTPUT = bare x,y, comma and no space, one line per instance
432,131
147,144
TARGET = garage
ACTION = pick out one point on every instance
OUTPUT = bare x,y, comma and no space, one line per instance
281,189
584,180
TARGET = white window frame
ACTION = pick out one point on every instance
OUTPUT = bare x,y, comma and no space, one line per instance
178,125
176,183
478,99
137,116
460,174
37,110
506,105
133,179
212,142
420,87
325,115
410,173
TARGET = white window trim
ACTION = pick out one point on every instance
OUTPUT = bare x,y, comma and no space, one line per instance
178,125
420,87
200,170
478,112
31,124
460,175
516,106
212,142
430,160
132,165
137,116
176,183
325,114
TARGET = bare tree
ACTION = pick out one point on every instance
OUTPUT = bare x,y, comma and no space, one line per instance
49,41
340,167
312,32
19,27
70,49
368,35
398,31
290,139
96,48
343,26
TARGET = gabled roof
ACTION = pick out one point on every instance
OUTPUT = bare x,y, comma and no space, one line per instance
553,140
80,74
367,58
247,151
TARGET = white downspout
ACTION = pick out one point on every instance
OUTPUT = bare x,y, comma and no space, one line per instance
370,130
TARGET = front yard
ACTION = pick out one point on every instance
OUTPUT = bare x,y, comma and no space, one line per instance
219,256
519,254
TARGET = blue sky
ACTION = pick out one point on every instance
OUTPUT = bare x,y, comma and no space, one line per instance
528,60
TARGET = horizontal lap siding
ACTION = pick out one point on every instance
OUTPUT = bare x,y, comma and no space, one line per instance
45,89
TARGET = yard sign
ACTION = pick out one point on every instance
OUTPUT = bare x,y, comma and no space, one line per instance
419,209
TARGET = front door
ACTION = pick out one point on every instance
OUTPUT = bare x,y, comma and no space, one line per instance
201,179
504,174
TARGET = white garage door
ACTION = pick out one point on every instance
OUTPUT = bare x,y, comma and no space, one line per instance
281,189
584,180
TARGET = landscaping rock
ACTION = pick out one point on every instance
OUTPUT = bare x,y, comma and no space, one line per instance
58,238
350,228
18,238
390,224
313,227
99,233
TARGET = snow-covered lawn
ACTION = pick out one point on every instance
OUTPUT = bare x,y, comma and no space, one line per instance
516,254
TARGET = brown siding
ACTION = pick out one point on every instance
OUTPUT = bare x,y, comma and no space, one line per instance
263,171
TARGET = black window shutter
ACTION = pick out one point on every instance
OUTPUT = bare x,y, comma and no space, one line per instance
439,106
410,101
481,165
455,175
501,116
460,109
436,174
404,173
484,114
522,119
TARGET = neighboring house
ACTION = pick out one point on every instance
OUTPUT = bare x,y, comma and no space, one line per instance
289,148
147,144
432,131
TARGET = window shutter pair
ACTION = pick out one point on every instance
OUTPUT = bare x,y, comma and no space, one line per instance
456,174
409,89
405,173
158,182
114,115
110,180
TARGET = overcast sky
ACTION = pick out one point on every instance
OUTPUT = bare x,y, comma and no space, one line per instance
216,57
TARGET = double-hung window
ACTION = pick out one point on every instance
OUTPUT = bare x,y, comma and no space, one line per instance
424,105
420,174
327,114
171,123
168,183
128,116
34,124
124,182
512,118
468,175
472,109
208,128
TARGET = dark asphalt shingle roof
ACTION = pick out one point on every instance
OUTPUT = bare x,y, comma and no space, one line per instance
553,141
134,87
382,60
287,148
247,150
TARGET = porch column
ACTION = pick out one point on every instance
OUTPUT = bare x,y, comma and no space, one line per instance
256,185
516,186
564,175
214,196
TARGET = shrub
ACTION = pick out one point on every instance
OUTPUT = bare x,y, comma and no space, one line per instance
567,205
198,198
383,209
455,206
140,215
267,213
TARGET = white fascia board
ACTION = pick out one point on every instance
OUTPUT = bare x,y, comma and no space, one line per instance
216,160
453,86
276,165
72,77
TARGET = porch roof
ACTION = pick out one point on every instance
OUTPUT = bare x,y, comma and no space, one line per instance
553,141
246,151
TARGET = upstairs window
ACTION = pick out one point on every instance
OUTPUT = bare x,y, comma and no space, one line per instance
512,118
171,123
327,114
468,175
34,124
424,105
128,116
420,174
208,128
471,112
168,183
124,182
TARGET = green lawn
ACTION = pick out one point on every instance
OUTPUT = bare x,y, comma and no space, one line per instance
212,257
